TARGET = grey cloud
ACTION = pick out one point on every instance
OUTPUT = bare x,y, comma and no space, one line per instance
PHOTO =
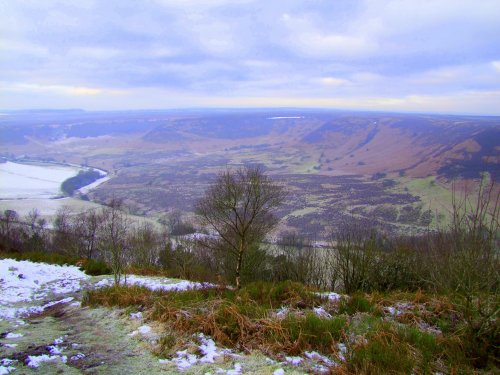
312,48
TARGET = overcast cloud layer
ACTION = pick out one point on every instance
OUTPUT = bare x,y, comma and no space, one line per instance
420,55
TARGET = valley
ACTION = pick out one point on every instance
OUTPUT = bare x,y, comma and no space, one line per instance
393,169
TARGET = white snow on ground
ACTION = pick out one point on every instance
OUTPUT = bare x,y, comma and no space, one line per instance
20,181
321,312
333,297
282,313
236,371
318,357
210,352
157,283
38,309
36,360
279,371
392,310
342,351
143,330
11,335
403,307
137,315
55,355
6,369
295,361
5,366
28,282
77,357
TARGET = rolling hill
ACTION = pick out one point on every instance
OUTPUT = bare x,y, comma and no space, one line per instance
335,163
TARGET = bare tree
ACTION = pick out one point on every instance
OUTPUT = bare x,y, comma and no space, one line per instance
353,254
145,242
88,224
7,222
37,231
65,239
113,237
239,208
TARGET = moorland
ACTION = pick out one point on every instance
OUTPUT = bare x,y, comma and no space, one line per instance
398,170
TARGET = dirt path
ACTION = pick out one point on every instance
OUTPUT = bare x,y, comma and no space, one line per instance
94,341
45,330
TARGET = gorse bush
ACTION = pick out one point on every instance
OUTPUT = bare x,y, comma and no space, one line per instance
95,267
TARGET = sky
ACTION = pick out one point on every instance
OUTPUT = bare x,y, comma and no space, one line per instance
434,56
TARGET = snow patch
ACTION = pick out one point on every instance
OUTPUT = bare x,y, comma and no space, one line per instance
282,312
145,329
39,309
207,347
279,371
36,361
4,370
157,283
77,357
342,351
321,312
315,356
11,335
137,315
295,361
209,350
54,349
331,296
5,366
38,280
235,371
184,360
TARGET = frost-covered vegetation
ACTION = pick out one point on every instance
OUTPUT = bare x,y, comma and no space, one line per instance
422,304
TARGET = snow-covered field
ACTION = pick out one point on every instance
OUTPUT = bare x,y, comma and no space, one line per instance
23,181
25,187
47,208
25,285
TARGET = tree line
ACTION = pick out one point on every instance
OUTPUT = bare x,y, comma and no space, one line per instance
226,242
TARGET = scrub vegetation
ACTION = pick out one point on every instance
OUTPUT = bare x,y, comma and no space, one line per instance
421,304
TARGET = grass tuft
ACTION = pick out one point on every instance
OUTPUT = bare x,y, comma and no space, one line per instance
377,343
